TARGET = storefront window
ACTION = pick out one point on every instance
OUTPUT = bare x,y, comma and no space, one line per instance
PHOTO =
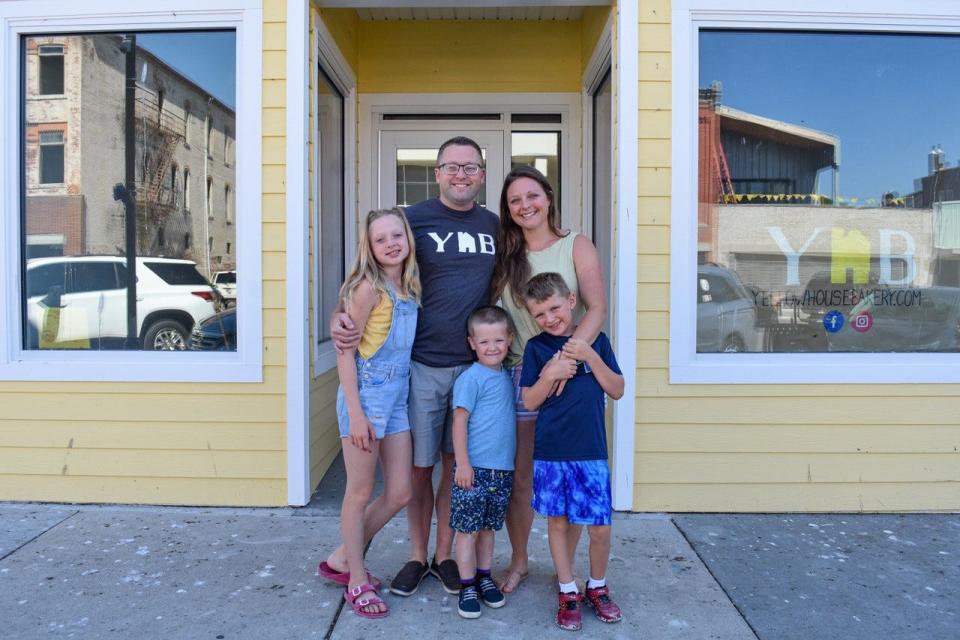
80,196
828,215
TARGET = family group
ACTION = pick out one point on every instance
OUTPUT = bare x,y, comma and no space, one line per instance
475,341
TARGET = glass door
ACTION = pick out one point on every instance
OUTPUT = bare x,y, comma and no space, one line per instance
407,159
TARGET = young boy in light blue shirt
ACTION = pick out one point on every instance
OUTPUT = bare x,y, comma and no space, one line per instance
484,445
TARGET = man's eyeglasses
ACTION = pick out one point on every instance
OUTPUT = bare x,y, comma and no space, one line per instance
452,168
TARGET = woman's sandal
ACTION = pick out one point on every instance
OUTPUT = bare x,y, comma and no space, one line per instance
343,577
358,603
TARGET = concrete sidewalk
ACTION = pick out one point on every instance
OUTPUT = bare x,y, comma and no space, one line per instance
165,572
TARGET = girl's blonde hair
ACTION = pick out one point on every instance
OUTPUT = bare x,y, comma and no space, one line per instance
365,266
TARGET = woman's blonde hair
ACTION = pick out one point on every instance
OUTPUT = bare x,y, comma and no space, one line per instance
365,266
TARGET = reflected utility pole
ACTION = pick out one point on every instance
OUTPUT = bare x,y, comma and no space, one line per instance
129,47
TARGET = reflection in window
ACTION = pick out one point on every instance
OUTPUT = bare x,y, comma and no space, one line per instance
827,221
415,176
538,149
51,69
330,224
76,204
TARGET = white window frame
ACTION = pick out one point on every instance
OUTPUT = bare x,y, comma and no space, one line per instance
339,72
687,366
20,18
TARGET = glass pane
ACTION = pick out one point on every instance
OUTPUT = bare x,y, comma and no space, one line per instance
538,149
79,194
603,183
415,178
816,250
330,139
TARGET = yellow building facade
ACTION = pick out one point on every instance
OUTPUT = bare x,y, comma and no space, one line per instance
258,428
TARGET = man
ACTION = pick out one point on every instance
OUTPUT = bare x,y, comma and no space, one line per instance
455,252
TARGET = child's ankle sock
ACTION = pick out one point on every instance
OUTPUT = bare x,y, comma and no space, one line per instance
568,587
468,582
483,573
596,583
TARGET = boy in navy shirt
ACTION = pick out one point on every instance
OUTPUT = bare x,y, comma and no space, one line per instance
571,479
484,443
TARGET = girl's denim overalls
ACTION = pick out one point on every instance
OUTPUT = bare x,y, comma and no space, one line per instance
384,378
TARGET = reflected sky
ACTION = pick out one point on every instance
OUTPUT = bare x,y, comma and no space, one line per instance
889,98
208,58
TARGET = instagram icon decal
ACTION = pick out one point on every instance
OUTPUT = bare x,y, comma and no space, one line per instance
862,322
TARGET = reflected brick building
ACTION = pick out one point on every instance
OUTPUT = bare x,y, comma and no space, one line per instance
74,156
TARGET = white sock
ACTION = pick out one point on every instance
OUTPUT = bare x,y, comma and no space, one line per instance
596,583
568,587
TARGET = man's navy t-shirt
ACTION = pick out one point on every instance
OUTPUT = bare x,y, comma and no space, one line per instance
570,426
455,252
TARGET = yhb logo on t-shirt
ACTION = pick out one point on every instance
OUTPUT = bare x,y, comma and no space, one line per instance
466,243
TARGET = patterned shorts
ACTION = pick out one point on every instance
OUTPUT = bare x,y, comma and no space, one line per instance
483,507
577,489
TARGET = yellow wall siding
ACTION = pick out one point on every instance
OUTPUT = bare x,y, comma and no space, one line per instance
166,443
409,57
764,447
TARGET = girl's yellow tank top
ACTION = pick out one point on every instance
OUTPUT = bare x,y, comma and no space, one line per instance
377,328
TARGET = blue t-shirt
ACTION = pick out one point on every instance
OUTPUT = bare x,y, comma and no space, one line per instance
455,253
492,426
569,426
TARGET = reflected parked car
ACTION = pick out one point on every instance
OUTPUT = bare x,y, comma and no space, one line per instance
225,283
216,333
726,313
902,320
81,302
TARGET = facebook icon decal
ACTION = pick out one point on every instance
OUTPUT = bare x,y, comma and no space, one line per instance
833,321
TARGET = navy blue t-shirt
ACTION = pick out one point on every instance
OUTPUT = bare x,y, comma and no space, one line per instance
455,252
569,426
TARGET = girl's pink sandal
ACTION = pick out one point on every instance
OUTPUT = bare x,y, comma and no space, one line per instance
353,597
343,577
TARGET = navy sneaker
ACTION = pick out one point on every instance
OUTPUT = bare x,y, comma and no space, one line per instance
469,604
491,596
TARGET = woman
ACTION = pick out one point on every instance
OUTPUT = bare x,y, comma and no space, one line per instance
529,242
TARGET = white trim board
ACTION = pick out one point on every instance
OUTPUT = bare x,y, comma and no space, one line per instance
57,16
626,85
298,352
687,366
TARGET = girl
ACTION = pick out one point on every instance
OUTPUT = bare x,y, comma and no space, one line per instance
381,296
530,241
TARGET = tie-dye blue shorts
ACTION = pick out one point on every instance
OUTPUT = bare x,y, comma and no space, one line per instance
577,489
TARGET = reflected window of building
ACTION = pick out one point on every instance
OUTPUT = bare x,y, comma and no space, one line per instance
186,190
228,204
51,69
51,157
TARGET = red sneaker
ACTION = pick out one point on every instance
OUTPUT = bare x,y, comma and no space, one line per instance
569,615
605,608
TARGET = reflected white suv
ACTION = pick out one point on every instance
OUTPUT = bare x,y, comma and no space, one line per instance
90,298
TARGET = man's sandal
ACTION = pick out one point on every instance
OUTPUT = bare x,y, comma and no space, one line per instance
343,577
353,596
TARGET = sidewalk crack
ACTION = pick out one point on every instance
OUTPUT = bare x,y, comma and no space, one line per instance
50,528
740,611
